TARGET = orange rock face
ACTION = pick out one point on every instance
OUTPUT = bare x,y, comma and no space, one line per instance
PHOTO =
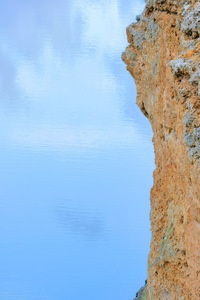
164,59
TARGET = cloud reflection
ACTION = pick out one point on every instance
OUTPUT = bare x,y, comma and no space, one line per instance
70,28
77,222
54,64
104,23
74,139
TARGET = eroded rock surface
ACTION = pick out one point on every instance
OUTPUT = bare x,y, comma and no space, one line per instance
142,294
163,56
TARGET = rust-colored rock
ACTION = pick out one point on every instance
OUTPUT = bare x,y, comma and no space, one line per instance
164,59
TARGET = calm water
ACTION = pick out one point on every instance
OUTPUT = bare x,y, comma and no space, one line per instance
76,155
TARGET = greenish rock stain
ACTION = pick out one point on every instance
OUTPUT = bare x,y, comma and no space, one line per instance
142,294
145,294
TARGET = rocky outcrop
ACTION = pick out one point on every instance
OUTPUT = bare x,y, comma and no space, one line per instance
142,294
163,56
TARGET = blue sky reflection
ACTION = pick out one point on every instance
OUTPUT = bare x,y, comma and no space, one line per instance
76,153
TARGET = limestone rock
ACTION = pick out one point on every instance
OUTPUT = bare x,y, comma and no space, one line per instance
142,294
163,56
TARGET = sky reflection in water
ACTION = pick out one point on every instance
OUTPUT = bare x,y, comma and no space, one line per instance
76,153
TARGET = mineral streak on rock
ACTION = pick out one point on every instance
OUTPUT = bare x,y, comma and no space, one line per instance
163,56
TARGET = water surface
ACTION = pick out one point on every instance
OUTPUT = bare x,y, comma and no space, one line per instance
75,153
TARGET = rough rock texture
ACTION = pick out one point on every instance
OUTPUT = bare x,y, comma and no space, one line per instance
142,294
164,59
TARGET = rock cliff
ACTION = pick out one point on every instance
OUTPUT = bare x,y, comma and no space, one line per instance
163,56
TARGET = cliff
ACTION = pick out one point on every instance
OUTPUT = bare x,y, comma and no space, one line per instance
163,56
